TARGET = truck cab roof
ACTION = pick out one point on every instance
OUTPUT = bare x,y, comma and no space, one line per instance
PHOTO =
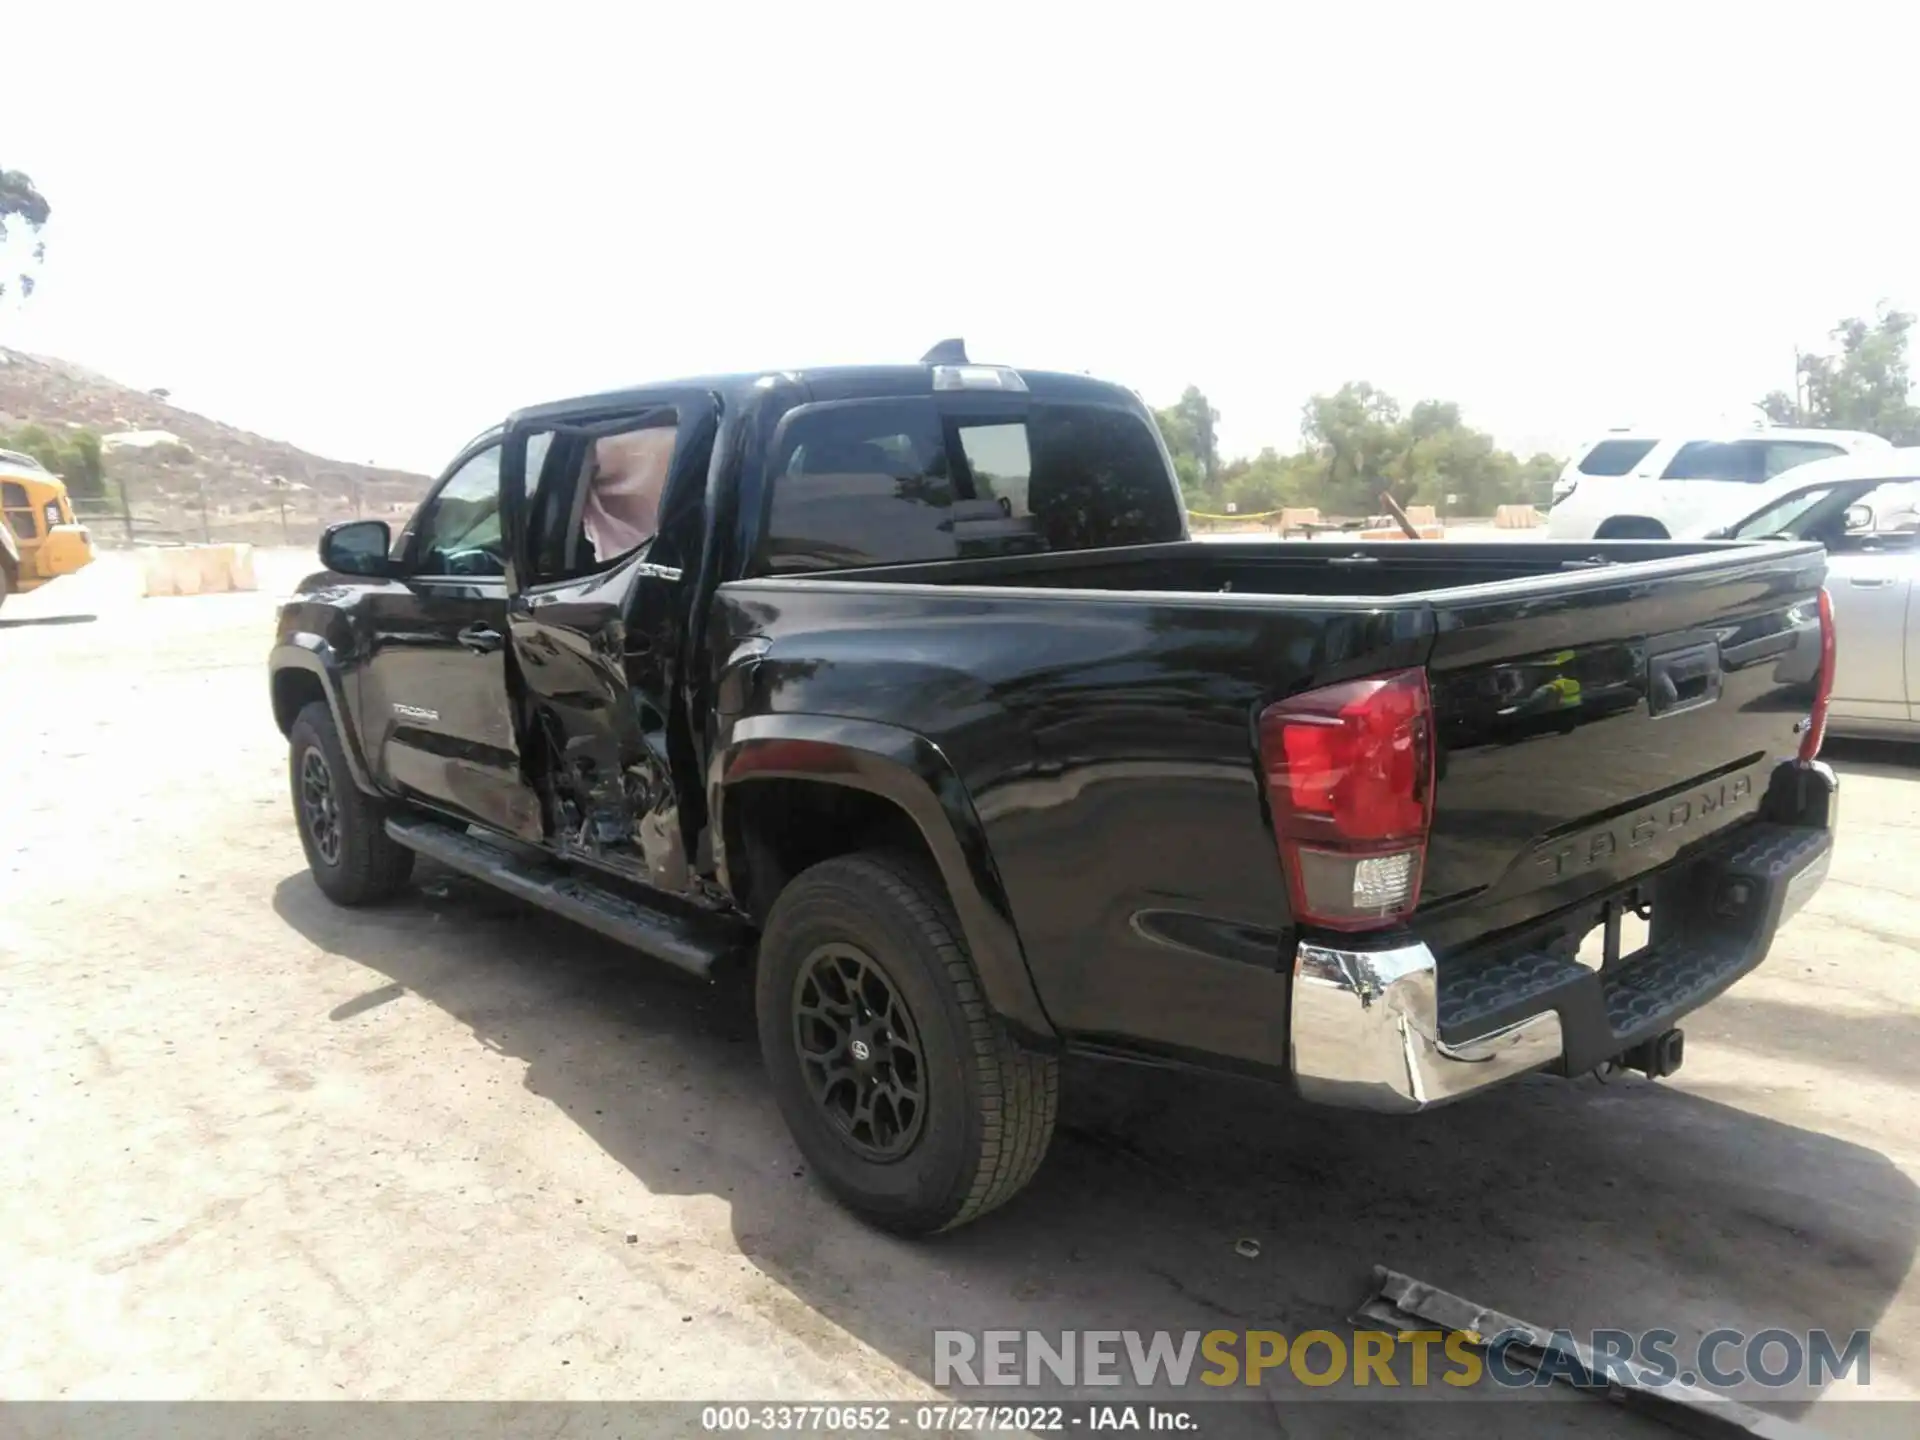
833,382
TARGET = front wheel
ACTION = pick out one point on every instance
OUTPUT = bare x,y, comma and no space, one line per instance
901,1086
353,859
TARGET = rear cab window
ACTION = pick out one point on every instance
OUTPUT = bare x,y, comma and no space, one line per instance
1615,457
859,484
899,481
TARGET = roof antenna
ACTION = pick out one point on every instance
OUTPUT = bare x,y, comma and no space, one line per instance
947,352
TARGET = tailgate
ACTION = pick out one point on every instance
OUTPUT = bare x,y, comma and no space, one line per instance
1595,724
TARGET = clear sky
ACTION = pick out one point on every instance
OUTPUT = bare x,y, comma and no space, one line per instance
373,229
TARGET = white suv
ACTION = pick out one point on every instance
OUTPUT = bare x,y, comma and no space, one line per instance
1636,486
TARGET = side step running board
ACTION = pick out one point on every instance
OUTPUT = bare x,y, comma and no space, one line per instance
694,943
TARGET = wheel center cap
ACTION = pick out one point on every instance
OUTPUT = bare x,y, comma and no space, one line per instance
861,1050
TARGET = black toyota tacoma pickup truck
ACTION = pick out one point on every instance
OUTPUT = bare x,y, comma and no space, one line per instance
915,694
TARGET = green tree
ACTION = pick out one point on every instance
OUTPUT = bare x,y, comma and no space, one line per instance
1865,386
1358,434
75,457
1358,442
1537,474
22,207
1202,425
1188,427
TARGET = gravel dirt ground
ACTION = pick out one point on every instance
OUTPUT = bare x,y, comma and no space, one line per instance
258,1147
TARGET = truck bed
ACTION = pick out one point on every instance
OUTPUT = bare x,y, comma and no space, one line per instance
1099,710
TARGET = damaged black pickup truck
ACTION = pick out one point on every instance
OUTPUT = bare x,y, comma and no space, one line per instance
919,698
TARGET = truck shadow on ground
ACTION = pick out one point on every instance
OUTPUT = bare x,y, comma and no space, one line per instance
1890,759
1628,1204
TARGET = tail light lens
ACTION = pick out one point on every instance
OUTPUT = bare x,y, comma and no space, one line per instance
1349,771
1816,730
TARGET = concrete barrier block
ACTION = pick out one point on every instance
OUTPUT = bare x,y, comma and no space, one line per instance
157,572
197,569
1516,517
240,574
213,562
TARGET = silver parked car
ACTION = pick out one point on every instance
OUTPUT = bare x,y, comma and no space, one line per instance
1865,508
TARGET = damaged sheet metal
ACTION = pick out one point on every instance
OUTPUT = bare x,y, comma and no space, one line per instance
1400,1302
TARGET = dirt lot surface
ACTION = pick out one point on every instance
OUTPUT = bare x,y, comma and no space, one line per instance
259,1147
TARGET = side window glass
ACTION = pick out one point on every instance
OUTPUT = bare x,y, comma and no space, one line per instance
538,444
860,485
460,532
1783,455
1615,457
1737,460
1887,517
549,489
18,509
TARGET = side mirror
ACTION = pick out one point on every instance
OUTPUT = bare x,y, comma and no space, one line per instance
1859,519
357,547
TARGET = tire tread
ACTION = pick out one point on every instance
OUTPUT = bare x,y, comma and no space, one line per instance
373,865
1020,1088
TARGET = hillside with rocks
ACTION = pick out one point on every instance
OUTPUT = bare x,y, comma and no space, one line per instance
186,476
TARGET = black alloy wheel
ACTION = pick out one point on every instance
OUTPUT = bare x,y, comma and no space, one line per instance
907,1094
342,828
319,807
859,1051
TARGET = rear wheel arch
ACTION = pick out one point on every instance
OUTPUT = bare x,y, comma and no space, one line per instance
1631,527
785,796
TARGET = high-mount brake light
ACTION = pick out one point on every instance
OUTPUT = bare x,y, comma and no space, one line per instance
977,377
1349,774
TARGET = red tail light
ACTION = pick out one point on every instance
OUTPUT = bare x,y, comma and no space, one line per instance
1349,772
1816,730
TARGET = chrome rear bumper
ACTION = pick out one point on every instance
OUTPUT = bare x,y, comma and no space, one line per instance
1366,1033
1376,1030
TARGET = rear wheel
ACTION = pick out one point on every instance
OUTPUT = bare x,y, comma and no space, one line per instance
903,1089
342,829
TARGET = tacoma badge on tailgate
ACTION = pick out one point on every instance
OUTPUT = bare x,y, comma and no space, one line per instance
1600,845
